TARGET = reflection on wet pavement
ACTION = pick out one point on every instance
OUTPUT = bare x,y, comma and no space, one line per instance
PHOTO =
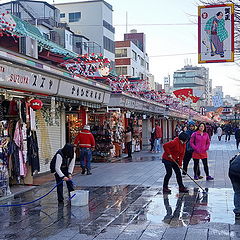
115,210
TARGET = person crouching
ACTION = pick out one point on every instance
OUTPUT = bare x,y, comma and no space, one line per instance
172,158
65,162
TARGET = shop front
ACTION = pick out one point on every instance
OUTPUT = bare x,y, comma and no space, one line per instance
29,138
139,116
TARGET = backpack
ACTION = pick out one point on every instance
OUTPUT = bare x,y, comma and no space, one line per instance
53,161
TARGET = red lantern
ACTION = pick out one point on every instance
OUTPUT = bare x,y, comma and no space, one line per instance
36,104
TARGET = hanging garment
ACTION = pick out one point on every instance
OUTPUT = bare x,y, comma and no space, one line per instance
13,110
18,139
33,119
14,155
23,111
33,151
1,111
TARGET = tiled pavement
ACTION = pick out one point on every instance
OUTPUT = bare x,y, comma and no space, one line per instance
126,202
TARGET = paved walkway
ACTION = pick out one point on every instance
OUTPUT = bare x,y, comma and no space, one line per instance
126,202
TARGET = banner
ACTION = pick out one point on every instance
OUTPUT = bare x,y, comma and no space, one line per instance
216,33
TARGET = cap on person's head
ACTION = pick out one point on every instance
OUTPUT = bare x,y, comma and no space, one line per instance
86,127
68,150
191,123
183,137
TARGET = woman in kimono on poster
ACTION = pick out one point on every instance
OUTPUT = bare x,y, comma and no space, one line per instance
215,28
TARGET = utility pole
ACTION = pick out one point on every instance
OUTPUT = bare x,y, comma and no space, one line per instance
126,22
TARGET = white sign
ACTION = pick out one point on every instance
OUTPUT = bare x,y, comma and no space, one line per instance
76,91
17,78
216,33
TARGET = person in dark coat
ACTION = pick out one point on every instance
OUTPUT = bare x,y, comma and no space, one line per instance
237,137
234,175
65,162
228,131
189,149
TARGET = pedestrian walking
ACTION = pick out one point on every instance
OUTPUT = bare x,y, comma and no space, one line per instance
172,159
237,136
128,141
62,166
200,143
234,175
152,139
209,130
219,133
228,131
85,142
189,149
158,137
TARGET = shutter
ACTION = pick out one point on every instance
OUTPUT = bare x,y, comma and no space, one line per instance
49,138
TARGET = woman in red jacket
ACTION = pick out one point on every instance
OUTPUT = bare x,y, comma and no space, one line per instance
172,158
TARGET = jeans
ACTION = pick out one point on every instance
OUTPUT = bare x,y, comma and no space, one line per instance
186,160
169,166
196,167
157,145
228,136
60,185
237,142
129,148
236,188
86,154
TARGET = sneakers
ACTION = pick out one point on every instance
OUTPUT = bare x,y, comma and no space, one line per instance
83,170
183,190
88,172
166,191
196,178
200,177
209,178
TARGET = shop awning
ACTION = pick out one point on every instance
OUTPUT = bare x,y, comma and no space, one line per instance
17,26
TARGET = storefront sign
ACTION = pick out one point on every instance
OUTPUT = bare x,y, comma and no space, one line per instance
79,92
130,103
24,80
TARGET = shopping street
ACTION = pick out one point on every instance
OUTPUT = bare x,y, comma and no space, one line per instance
126,202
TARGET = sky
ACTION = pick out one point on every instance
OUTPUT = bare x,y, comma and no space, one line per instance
171,45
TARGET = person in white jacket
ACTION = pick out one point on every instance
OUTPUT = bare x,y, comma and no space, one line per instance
219,133
64,166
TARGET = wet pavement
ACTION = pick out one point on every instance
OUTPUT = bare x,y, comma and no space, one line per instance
126,202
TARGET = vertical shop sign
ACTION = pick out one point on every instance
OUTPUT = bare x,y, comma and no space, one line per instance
216,33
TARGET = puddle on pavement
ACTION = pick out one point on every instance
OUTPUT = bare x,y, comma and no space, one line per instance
194,208
117,207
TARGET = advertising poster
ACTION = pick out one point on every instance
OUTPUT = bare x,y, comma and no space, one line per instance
216,33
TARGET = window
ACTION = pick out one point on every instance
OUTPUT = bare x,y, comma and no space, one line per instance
108,26
147,65
133,71
74,17
142,61
134,55
121,53
62,15
108,44
121,70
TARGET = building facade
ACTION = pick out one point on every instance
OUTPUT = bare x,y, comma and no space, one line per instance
97,27
130,59
196,78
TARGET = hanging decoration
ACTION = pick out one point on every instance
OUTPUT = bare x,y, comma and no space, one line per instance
36,104
87,66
